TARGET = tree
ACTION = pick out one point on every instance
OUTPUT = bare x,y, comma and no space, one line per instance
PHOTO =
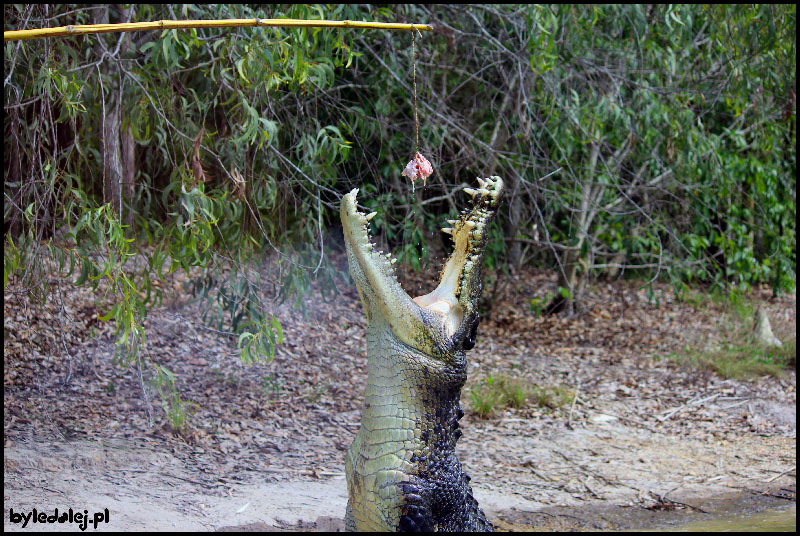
658,140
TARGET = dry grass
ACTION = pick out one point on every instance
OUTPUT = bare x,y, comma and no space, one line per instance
507,392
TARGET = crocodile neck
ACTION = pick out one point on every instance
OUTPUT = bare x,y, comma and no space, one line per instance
426,390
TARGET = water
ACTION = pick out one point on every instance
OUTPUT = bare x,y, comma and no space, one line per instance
737,515
773,520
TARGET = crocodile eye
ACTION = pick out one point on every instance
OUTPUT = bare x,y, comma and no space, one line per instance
469,341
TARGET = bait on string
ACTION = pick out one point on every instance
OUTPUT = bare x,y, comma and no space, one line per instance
418,167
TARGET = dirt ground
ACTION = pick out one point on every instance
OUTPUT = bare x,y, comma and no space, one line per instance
646,443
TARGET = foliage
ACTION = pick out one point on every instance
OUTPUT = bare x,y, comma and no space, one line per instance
658,139
217,94
651,138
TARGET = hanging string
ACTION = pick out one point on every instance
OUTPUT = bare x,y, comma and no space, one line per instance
418,167
416,117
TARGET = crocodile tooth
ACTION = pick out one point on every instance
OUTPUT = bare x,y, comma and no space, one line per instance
370,215
484,191
448,230
470,191
452,222
393,260
482,182
469,223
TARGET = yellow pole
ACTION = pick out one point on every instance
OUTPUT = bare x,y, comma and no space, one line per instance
84,29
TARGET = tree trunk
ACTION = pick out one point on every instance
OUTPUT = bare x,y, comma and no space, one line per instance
498,140
129,174
514,218
112,155
571,261
118,146
14,226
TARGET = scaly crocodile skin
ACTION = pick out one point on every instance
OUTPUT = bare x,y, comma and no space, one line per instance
402,470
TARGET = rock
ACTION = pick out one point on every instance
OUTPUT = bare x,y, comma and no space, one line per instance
763,331
602,417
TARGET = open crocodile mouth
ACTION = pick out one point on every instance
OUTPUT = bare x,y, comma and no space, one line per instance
456,296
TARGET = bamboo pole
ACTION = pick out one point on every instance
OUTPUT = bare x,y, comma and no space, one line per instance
85,29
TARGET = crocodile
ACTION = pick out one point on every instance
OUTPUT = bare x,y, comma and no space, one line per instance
402,471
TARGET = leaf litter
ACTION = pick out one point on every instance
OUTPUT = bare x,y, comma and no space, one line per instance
639,427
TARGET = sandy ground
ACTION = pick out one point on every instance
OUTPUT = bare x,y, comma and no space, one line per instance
646,444
145,488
